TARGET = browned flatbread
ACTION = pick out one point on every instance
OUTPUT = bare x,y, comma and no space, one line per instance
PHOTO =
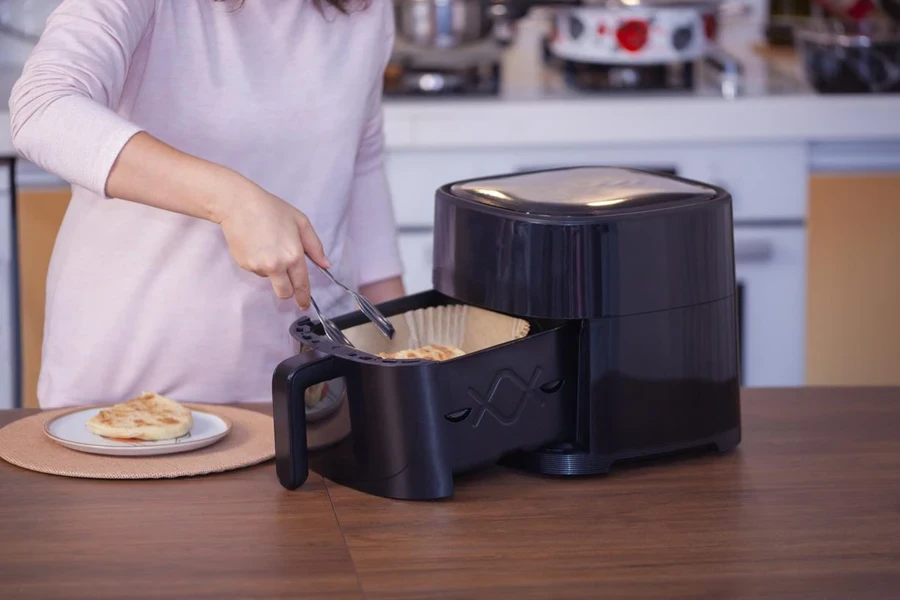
435,352
147,417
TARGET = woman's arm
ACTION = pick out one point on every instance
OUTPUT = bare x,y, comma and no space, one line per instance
265,235
63,120
382,291
62,107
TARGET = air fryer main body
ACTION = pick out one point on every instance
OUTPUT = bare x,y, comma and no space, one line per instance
629,285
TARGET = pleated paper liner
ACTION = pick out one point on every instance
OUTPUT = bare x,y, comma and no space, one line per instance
465,327
251,441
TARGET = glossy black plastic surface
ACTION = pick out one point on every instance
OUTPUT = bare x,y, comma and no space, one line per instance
651,384
291,380
614,263
571,399
413,425
633,350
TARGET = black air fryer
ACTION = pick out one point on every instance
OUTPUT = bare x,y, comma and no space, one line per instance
627,281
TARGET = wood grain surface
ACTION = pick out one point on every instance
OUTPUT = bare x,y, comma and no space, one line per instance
807,507
234,535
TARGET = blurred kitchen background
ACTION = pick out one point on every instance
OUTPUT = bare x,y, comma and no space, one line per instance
791,105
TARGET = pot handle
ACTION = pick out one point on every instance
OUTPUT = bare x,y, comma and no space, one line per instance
289,384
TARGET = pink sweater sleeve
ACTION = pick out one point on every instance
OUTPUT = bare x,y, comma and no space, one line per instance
372,224
63,107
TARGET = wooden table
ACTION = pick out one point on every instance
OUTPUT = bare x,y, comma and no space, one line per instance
807,507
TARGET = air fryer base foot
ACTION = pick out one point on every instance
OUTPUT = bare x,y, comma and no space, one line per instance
566,462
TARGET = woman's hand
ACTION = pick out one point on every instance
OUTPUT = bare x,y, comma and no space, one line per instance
271,238
265,234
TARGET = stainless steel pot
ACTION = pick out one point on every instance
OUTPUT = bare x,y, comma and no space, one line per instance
454,23
443,23
850,58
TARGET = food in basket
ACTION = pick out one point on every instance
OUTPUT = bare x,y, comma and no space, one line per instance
149,417
315,394
435,352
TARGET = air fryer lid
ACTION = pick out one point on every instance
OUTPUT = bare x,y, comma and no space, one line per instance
582,191
583,243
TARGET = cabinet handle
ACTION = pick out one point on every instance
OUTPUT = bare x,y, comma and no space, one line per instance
753,251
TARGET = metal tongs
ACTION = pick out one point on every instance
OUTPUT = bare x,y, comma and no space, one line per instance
334,333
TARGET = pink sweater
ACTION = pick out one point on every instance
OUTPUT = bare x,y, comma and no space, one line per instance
143,299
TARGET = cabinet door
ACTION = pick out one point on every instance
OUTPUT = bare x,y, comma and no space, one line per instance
853,330
40,213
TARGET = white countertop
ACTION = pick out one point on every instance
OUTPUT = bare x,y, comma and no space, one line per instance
547,122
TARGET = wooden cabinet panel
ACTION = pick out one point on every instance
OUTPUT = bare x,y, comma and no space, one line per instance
40,213
853,324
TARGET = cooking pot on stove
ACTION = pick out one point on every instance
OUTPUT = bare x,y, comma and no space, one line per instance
454,23
850,58
442,23
616,32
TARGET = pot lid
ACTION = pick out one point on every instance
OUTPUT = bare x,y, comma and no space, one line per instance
582,191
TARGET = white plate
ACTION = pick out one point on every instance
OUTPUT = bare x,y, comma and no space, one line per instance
327,406
71,431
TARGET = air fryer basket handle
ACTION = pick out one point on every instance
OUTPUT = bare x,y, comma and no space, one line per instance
289,384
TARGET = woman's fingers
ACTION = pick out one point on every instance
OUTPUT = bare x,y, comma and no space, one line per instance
312,245
271,238
299,277
282,284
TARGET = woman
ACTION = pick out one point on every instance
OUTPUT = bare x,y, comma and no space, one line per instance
210,145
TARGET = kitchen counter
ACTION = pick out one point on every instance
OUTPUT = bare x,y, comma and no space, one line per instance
806,507
639,119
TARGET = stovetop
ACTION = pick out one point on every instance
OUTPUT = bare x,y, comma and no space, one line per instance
463,57
472,70
486,78
522,71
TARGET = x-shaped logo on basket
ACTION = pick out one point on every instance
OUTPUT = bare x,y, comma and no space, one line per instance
486,406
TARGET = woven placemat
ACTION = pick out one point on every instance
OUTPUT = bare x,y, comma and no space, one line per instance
251,441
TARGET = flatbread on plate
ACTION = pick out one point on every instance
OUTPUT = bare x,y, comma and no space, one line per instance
149,417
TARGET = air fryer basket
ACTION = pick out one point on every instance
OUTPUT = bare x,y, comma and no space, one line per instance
413,424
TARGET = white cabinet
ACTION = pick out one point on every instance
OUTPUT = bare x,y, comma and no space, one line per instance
770,264
416,251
